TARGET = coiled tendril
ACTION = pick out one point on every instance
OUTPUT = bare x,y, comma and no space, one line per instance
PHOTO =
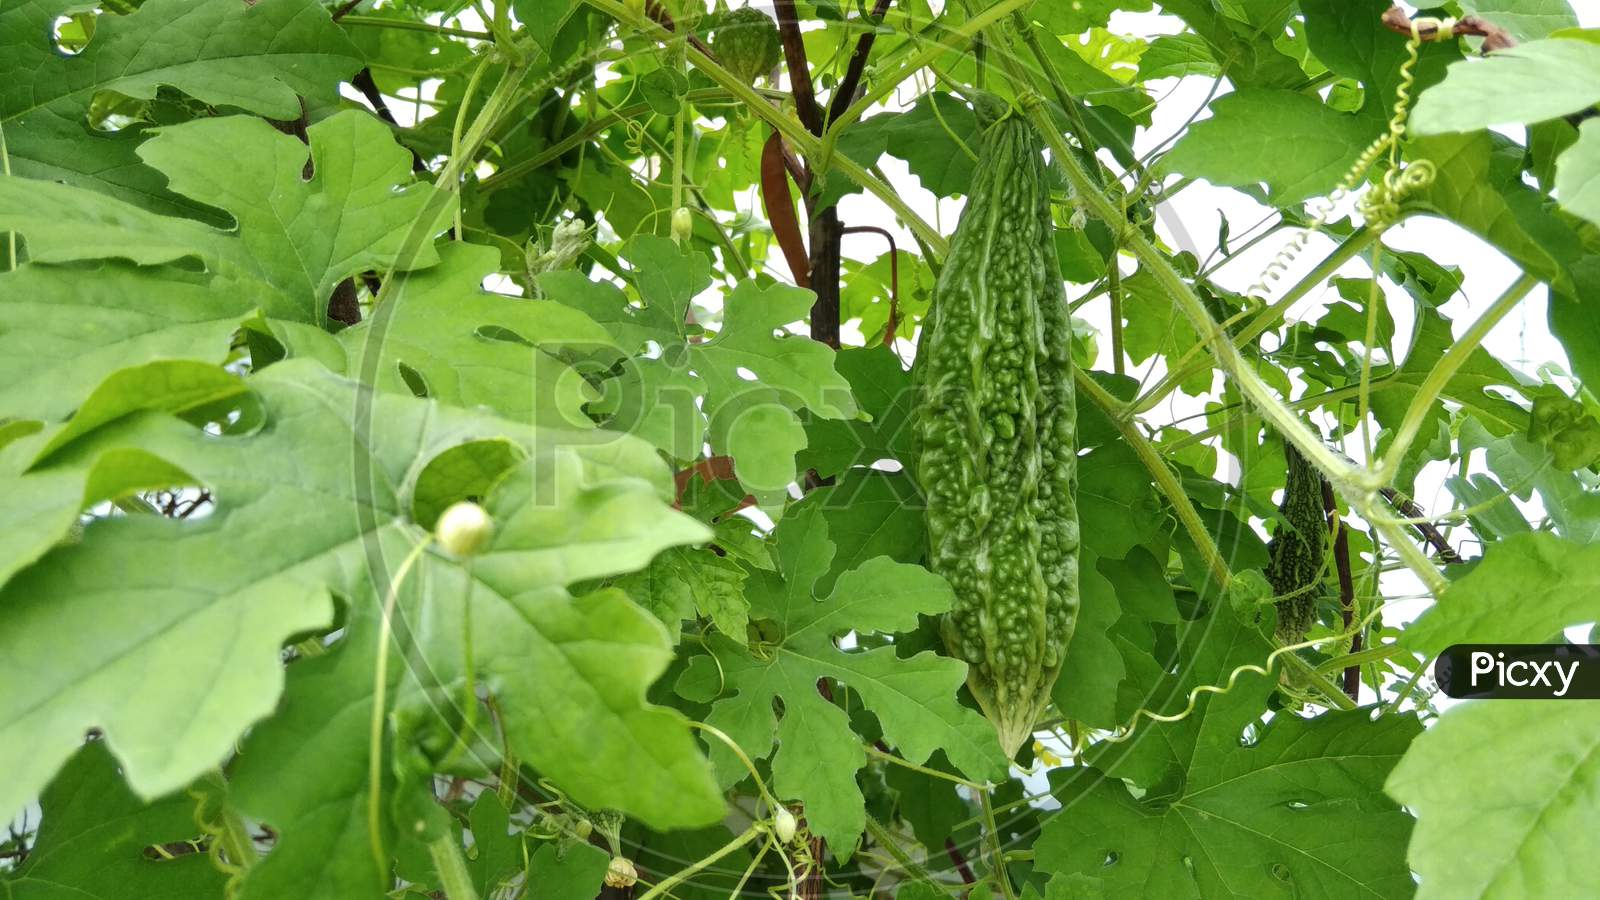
1380,206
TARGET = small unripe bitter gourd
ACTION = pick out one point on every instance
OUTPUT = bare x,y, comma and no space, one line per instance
996,431
1299,548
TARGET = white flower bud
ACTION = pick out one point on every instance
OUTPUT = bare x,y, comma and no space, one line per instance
784,825
464,529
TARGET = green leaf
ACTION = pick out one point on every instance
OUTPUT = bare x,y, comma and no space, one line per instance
556,873
1567,429
497,848
1473,191
1474,385
1553,580
1245,143
1245,51
67,328
473,349
869,513
818,753
1086,689
1578,172
937,139
304,772
42,501
1177,55
542,19
1298,813
1527,20
1521,774
1117,505
358,211
1348,36
1528,83
140,602
755,422
883,390
295,239
682,583
256,56
91,844
1299,799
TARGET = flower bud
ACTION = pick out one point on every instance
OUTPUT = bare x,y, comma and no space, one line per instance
784,825
464,529
621,873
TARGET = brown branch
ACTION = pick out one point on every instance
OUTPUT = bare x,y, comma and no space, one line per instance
845,93
1408,508
363,82
954,852
1347,583
1494,37
794,57
826,256
345,10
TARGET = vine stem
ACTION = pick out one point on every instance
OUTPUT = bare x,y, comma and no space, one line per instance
1361,658
792,131
665,885
884,87
409,25
1460,351
1347,250
508,175
886,839
993,833
933,773
380,689
452,868
5,168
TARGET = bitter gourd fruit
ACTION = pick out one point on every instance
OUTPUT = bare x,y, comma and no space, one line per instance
747,43
996,432
1298,550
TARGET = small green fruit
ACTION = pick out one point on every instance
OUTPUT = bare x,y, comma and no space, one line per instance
748,44
682,224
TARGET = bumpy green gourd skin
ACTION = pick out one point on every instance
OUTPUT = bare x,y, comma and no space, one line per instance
1298,549
747,43
996,429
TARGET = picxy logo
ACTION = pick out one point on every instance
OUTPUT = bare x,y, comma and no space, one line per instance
1520,671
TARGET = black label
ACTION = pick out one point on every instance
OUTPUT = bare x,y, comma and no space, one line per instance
1520,671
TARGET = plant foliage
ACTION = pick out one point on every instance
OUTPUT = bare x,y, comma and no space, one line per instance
636,291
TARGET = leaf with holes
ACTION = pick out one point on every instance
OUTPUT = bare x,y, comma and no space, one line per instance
254,56
133,605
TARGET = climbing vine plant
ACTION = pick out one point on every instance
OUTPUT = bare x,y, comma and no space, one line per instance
471,450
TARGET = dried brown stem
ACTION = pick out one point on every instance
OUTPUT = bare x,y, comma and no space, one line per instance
1408,508
1494,37
845,94
794,57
